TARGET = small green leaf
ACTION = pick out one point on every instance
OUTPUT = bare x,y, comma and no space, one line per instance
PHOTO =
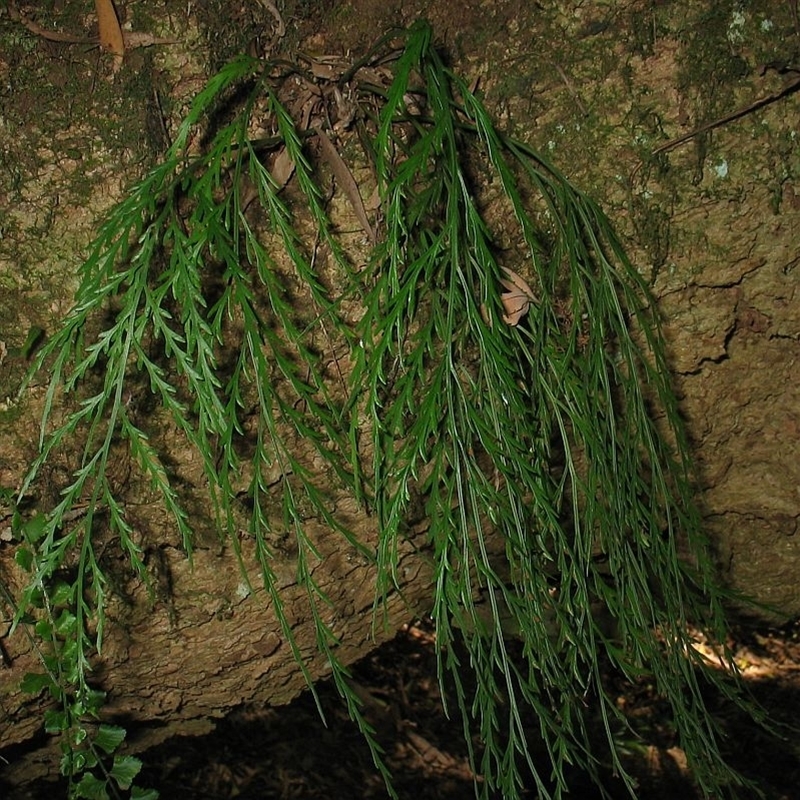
16,524
109,737
77,708
55,721
34,682
79,735
24,558
92,701
138,793
51,662
32,341
65,624
125,769
36,598
43,629
34,528
62,594
91,788
66,763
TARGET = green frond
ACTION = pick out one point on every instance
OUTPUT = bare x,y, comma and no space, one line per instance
540,434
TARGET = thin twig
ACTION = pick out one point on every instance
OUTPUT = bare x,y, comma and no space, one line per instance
280,30
132,39
734,115
52,36
571,87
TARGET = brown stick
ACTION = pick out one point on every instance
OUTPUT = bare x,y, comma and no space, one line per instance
131,39
734,115
51,36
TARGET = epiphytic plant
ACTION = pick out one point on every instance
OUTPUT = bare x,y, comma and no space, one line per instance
489,353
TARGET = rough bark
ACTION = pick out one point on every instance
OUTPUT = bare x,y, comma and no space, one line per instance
209,643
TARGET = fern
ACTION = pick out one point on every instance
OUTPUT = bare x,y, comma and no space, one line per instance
506,370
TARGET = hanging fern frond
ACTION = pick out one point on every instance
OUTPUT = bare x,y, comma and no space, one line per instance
501,365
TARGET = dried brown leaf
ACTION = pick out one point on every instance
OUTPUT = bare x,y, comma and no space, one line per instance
346,180
111,39
517,298
282,168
